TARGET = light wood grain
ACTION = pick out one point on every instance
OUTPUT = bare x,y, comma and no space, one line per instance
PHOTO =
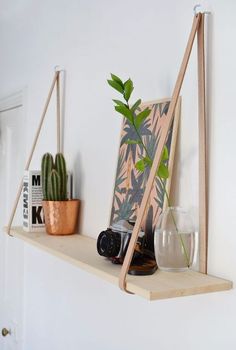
81,251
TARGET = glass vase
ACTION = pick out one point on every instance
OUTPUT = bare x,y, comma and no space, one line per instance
175,241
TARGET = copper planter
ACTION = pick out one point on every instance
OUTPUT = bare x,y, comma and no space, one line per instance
61,217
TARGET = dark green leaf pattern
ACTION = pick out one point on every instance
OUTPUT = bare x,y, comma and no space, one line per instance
120,172
130,182
125,209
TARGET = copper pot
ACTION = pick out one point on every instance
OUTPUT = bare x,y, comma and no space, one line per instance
61,217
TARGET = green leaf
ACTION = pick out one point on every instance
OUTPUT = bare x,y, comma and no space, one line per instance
165,154
147,161
119,103
133,142
117,79
140,165
141,117
125,112
163,171
136,105
128,88
116,86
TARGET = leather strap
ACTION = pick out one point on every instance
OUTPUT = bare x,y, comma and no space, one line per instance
157,158
58,115
203,210
54,82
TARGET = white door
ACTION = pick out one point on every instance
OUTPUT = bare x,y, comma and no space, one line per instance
12,158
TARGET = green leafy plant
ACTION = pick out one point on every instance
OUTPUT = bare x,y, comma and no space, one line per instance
135,117
54,177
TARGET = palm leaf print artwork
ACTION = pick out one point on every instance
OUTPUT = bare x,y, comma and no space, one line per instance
130,183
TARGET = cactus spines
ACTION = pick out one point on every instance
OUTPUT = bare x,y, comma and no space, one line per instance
60,166
54,177
46,168
54,186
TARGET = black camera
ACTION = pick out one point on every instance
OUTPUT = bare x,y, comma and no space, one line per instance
113,242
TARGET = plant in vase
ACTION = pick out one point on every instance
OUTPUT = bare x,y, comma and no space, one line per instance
61,213
135,117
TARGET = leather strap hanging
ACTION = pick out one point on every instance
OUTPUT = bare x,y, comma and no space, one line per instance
56,81
203,210
197,27
58,115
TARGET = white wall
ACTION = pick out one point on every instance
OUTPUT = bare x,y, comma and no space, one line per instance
65,308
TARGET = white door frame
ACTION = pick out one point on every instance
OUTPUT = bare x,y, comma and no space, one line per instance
8,103
12,101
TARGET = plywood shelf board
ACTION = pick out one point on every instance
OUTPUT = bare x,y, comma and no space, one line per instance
81,251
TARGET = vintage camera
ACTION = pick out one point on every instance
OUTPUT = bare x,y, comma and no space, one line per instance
113,242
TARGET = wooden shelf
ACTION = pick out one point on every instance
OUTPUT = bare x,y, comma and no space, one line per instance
81,251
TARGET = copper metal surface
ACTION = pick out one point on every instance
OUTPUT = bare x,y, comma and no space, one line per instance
61,217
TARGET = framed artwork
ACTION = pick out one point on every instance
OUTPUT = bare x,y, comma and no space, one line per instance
129,182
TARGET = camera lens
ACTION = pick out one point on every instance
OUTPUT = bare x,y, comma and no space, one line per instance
108,243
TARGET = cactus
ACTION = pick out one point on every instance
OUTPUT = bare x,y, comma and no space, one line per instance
46,168
54,177
54,186
60,166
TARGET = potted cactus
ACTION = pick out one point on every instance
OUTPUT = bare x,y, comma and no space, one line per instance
61,213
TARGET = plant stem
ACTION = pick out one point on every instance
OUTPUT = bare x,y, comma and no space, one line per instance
140,138
138,134
173,218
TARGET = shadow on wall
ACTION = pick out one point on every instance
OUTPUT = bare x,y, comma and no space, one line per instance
209,38
78,185
63,104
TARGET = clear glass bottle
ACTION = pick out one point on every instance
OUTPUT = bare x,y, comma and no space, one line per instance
175,240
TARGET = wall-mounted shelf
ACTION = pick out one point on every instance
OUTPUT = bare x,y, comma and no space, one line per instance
81,251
